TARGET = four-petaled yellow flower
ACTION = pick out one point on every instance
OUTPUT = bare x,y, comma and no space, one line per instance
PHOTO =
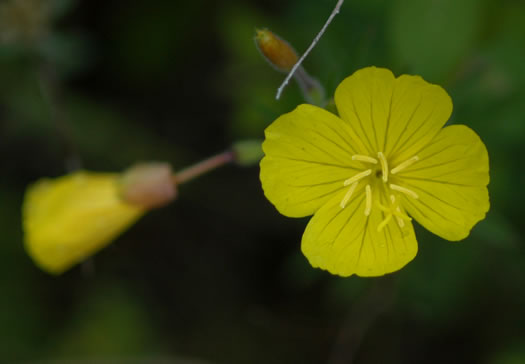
366,174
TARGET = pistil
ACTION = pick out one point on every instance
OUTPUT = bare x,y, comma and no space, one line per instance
393,211
384,166
384,223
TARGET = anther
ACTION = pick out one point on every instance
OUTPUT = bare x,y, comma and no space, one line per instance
357,177
405,164
404,190
400,222
364,158
393,199
368,205
384,166
349,193
401,217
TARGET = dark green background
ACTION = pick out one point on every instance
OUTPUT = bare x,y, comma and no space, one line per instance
218,276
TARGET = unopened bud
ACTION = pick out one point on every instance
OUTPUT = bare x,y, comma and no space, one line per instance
23,20
277,51
248,152
283,57
148,185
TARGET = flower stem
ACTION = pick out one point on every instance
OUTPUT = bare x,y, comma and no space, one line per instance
203,167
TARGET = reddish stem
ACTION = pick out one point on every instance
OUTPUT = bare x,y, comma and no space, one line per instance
203,167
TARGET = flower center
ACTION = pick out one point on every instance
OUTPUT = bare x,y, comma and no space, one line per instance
380,172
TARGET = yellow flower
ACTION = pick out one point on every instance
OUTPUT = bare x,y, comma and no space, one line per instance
70,218
366,174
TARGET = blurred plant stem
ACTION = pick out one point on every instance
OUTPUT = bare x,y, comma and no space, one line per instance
51,91
203,167
360,318
313,91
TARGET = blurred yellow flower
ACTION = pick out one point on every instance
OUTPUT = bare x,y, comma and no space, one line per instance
68,219
366,174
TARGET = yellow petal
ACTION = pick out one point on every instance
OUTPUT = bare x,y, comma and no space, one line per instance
397,116
70,218
308,155
451,180
346,242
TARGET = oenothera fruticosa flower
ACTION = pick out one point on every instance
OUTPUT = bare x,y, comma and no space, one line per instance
69,218
387,159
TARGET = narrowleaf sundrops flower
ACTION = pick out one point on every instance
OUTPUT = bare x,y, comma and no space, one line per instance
387,159
70,218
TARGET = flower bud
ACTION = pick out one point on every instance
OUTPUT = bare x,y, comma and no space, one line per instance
148,185
70,218
23,20
277,51
248,152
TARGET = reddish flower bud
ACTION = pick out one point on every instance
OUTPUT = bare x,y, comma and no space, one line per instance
148,185
277,51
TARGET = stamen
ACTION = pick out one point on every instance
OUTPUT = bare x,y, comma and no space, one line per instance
384,222
384,166
364,158
400,222
368,205
393,199
357,177
405,164
404,190
349,193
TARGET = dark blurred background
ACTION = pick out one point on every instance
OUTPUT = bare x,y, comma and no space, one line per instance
218,276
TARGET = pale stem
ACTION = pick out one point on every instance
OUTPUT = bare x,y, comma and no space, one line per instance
314,42
203,167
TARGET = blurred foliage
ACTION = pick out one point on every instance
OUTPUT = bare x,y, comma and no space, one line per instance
218,275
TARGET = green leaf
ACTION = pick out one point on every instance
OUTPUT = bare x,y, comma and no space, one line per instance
431,37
